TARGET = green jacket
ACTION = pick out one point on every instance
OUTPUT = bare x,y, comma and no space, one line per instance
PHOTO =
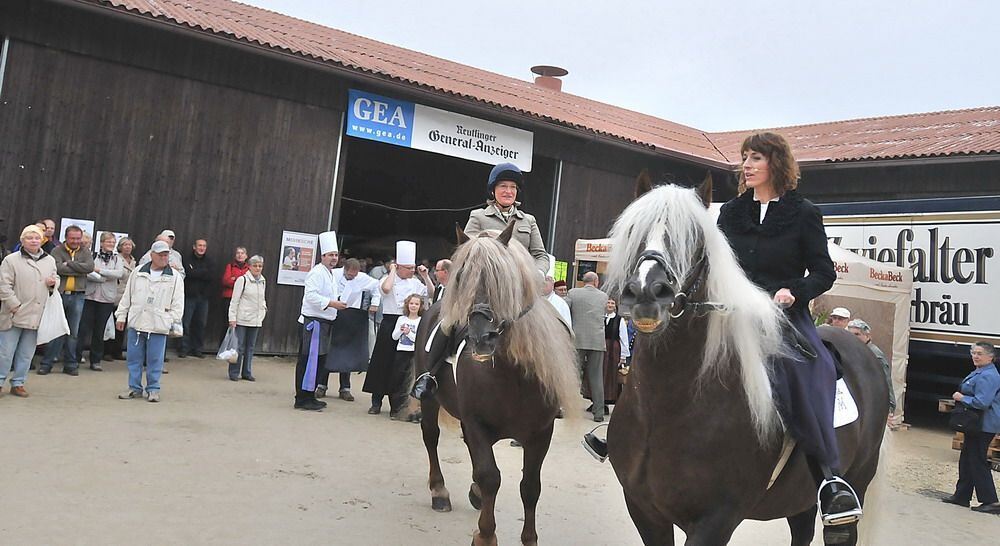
525,230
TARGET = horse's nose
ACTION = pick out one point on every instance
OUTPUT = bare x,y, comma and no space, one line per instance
658,291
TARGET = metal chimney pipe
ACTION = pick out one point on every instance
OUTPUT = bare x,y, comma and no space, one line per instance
548,76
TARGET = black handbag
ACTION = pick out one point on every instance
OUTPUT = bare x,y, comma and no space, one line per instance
965,419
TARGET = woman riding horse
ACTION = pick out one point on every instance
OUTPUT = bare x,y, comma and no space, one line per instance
505,182
777,236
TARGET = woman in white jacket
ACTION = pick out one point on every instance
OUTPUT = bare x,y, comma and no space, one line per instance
152,304
26,279
102,294
246,313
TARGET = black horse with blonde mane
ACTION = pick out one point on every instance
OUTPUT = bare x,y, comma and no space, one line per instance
695,439
515,369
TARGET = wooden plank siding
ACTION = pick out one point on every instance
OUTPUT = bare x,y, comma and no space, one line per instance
139,151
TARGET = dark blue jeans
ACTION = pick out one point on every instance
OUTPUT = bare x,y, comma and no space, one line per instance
67,345
195,319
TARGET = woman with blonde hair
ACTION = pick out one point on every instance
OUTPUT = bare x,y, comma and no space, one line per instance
26,280
101,298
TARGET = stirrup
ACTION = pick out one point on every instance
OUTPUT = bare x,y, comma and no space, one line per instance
597,447
845,517
424,387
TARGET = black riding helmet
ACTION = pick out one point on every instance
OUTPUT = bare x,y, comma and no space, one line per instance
505,172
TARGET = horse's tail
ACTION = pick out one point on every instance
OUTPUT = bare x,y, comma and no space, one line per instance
870,527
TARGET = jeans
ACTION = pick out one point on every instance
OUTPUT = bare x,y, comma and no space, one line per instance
95,318
246,338
592,362
145,348
67,345
195,319
17,347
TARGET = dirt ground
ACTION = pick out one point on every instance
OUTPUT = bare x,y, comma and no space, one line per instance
218,462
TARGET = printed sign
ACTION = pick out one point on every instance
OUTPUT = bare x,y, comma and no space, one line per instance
956,270
298,253
86,225
401,123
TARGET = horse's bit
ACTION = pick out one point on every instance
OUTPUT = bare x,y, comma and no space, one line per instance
682,294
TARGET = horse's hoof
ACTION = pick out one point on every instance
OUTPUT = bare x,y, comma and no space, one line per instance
474,498
441,504
478,540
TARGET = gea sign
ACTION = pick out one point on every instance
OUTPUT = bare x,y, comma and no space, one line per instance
401,123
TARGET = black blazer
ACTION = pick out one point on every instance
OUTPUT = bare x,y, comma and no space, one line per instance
777,253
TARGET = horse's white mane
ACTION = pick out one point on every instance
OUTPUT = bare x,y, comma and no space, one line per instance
750,334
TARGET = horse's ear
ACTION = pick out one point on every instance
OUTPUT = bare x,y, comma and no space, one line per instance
460,235
506,234
643,183
705,189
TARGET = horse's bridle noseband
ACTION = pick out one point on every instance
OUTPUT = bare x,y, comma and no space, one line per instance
683,294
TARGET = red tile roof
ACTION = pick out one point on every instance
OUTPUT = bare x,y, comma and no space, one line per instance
960,132
935,134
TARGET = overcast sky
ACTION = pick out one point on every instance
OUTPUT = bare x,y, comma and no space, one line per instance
710,64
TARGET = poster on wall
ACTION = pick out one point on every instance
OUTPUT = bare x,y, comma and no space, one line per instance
86,225
298,252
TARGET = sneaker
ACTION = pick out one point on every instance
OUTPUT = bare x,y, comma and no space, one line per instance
44,370
96,367
346,396
320,391
19,391
130,395
233,378
249,378
72,371
310,405
153,396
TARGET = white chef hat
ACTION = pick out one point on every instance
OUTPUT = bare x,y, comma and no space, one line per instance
328,242
406,253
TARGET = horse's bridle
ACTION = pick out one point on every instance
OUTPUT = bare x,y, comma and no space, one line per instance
683,294
484,310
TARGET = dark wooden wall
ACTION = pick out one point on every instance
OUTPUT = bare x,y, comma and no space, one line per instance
901,181
139,148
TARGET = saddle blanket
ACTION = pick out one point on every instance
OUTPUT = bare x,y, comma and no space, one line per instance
845,409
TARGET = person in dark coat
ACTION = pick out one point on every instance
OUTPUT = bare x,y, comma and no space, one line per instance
199,287
777,236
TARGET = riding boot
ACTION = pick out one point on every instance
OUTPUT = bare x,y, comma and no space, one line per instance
838,503
597,447
426,384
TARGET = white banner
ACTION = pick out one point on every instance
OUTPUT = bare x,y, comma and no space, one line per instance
296,258
462,136
86,225
955,267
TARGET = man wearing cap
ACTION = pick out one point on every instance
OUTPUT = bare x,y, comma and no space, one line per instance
839,317
153,301
73,263
863,331
176,262
502,187
320,303
560,289
398,283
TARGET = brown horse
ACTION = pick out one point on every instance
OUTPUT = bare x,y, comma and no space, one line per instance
517,368
695,438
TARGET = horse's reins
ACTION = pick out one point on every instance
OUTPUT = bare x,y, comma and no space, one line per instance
683,294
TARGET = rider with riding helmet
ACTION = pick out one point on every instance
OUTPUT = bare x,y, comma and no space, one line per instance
505,182
777,236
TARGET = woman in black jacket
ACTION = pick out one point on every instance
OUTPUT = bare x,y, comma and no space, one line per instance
777,236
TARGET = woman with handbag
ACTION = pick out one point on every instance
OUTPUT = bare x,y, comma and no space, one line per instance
26,280
979,392
247,309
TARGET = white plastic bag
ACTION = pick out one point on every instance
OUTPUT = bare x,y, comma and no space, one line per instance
53,322
229,350
109,328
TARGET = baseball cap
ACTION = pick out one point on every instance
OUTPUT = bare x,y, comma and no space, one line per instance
840,312
168,233
158,247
